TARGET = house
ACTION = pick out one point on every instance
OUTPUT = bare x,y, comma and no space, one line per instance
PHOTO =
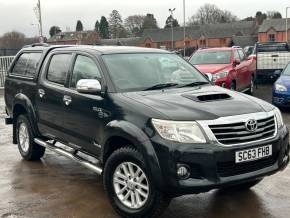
207,35
274,30
89,37
244,41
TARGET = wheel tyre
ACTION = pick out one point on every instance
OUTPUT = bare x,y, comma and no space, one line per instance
233,86
156,201
28,149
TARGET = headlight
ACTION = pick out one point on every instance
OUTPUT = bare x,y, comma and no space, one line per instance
279,118
280,88
220,75
184,132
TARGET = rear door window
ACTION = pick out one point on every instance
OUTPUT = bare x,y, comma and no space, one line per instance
26,64
32,64
20,65
58,68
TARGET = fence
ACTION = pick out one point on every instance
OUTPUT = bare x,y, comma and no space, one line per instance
5,62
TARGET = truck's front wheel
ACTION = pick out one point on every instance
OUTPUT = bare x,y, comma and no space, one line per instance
129,185
28,149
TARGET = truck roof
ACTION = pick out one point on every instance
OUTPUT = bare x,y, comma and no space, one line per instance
218,49
115,49
99,49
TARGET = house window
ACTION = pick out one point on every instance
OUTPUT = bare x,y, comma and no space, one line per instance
271,38
223,41
148,45
202,43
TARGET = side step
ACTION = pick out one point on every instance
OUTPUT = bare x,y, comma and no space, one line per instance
69,155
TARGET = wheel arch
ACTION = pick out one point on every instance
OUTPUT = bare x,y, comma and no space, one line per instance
23,105
123,132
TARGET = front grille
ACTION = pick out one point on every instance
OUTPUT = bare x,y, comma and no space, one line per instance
195,171
236,133
225,169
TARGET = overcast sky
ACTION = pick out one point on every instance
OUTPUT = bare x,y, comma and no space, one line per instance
19,15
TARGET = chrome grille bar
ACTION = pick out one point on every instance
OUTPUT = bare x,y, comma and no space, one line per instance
230,131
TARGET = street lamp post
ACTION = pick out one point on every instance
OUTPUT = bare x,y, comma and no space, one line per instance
37,11
172,36
287,23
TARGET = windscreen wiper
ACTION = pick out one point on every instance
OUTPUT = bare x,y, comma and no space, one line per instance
161,86
193,84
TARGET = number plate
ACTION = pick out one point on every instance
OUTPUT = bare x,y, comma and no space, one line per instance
253,153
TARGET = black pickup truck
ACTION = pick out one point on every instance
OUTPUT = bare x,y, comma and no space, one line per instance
145,119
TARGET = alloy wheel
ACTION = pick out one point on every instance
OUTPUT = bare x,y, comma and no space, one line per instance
131,185
23,137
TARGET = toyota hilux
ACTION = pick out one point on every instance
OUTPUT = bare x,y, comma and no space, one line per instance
154,130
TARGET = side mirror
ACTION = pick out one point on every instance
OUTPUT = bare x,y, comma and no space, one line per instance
236,62
277,73
209,76
89,86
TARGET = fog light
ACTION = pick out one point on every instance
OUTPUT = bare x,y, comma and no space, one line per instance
183,172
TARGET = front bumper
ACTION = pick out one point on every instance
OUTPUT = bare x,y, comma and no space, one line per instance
223,82
266,75
213,166
281,99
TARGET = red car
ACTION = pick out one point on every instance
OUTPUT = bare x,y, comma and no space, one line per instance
228,67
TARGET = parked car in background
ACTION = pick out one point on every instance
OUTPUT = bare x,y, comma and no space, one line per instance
281,88
229,67
271,56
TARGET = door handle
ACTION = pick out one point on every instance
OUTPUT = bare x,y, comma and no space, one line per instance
67,100
41,93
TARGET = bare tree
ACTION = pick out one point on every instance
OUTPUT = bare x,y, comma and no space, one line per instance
210,13
133,24
13,40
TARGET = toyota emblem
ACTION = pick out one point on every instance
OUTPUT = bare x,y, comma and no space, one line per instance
251,125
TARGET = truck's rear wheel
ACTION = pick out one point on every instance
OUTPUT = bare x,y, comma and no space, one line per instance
129,185
233,86
28,149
